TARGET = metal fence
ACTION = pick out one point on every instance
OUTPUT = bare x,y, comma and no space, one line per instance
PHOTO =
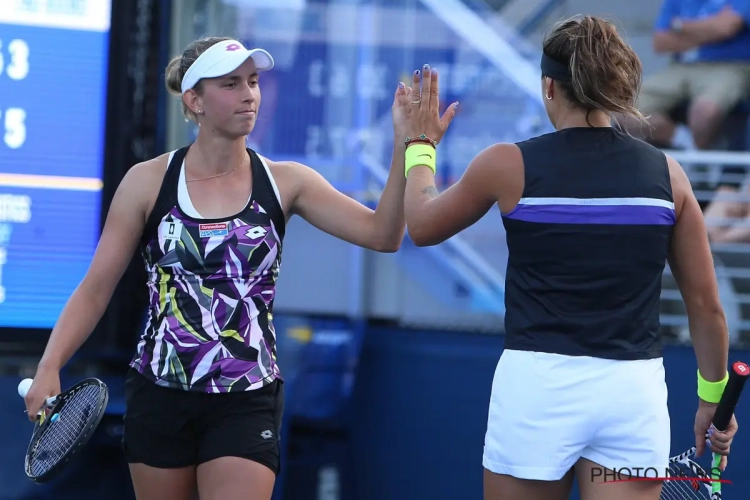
720,185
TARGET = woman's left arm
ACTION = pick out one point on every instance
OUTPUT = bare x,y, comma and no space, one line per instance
335,213
321,205
433,218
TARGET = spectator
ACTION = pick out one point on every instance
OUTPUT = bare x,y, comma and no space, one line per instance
728,215
710,71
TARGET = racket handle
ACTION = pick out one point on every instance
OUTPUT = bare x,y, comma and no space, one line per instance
25,385
738,375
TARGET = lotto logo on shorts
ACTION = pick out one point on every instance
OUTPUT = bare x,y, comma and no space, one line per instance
209,230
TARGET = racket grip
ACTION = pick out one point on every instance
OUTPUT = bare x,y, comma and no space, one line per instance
25,385
738,375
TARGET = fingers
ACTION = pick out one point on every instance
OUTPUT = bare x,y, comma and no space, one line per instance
415,87
700,444
33,405
400,99
719,441
434,92
426,86
449,115
723,463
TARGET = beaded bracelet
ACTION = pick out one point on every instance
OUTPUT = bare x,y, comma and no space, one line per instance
421,139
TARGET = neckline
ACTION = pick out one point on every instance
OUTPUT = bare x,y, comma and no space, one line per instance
610,128
182,186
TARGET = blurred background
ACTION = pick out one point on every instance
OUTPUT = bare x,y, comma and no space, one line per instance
388,358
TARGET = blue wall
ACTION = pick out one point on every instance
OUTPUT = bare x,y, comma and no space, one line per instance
420,405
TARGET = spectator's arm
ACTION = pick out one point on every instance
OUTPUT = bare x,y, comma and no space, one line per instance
665,40
672,42
735,234
717,28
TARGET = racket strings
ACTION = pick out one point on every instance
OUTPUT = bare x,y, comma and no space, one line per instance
683,488
674,491
63,434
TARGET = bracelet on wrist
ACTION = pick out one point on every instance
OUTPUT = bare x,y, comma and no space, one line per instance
421,139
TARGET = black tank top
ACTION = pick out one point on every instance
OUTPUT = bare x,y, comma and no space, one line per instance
587,244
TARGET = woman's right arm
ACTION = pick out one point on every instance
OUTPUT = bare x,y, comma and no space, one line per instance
693,268
692,265
122,230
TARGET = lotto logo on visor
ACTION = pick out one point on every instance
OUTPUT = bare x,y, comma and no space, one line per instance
223,58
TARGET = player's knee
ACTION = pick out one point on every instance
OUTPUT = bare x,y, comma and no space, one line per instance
704,119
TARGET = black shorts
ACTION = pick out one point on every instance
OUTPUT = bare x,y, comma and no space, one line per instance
171,428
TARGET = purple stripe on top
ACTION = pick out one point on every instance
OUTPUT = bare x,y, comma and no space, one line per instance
595,214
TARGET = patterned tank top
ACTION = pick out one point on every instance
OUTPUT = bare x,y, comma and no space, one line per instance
211,286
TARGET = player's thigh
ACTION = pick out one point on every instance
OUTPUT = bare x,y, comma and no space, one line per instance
239,455
158,425
593,485
235,478
158,441
151,483
504,487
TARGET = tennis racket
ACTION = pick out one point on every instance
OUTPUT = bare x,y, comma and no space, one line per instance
64,425
691,480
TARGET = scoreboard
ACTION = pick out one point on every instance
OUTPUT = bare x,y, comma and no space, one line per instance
53,83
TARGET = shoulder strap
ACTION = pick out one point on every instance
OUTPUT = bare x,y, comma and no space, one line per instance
265,194
167,197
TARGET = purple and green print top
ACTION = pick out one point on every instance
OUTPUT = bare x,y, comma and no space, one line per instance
211,289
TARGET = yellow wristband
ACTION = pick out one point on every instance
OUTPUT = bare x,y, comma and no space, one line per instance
711,392
420,154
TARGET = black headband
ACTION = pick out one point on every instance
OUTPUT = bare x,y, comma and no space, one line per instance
555,69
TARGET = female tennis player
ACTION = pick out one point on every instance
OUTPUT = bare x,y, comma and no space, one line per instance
204,396
591,215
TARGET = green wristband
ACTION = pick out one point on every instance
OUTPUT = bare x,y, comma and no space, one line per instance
419,154
711,392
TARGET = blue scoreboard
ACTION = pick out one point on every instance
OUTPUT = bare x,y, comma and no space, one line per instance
53,82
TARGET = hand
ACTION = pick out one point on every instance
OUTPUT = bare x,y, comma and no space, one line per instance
400,111
46,384
423,114
720,442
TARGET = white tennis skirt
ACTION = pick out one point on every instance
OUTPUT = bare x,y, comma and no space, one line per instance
549,410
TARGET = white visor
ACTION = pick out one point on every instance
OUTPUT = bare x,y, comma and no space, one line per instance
223,58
